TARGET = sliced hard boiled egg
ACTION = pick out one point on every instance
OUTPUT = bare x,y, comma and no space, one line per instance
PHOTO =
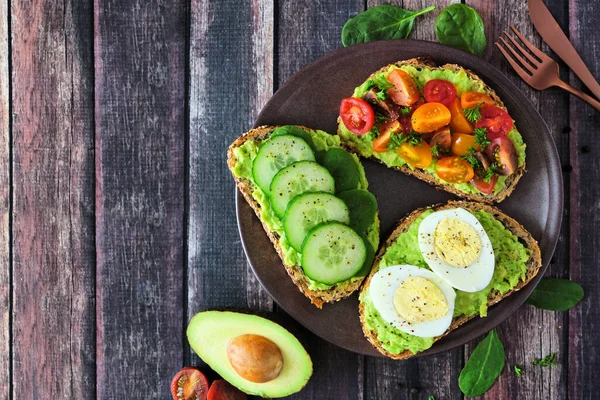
413,300
457,248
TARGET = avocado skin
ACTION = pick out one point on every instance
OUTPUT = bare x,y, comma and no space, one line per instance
209,332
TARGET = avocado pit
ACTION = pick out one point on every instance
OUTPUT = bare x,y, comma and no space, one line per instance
255,358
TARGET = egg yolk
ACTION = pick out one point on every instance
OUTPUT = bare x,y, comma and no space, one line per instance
456,242
417,299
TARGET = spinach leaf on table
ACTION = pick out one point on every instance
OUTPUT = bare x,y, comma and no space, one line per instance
380,23
484,366
461,26
556,294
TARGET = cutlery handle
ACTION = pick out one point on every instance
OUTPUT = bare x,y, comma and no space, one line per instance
588,99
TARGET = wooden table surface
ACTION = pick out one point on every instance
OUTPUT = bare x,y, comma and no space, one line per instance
117,209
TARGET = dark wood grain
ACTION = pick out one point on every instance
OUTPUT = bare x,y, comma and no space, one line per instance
531,332
5,192
422,377
140,147
53,196
584,320
307,30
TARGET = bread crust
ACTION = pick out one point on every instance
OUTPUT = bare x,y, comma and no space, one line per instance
511,181
534,263
246,187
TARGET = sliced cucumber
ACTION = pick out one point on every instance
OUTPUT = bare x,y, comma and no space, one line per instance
308,210
294,130
343,168
332,253
363,207
276,154
297,178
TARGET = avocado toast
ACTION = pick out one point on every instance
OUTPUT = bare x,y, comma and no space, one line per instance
517,261
419,126
257,155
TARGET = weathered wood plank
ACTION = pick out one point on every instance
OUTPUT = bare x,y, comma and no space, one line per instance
307,30
437,375
228,81
140,136
539,332
53,196
585,216
5,192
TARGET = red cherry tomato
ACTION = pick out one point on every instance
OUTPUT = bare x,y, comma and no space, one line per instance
439,91
189,384
495,120
223,390
483,186
357,115
502,151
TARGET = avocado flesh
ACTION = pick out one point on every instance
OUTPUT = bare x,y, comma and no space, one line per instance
209,332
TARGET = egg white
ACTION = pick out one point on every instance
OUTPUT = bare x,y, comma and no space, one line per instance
477,275
381,290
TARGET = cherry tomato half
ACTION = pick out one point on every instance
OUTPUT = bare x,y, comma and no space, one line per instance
439,91
472,99
502,151
459,122
385,131
430,117
189,384
454,170
357,115
442,139
495,120
405,92
483,186
462,143
418,156
223,390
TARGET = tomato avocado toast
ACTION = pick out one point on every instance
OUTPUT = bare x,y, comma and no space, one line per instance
443,125
311,197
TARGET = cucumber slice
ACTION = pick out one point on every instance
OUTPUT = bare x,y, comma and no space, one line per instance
275,154
297,178
308,210
343,168
294,130
332,253
363,207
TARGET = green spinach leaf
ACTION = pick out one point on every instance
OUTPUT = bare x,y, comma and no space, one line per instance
380,23
556,294
461,26
343,168
484,366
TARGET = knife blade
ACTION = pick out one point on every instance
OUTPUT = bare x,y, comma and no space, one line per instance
550,31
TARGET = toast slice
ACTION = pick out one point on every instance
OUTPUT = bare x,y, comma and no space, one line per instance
534,263
421,63
248,189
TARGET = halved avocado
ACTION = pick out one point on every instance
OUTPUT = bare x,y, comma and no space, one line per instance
210,333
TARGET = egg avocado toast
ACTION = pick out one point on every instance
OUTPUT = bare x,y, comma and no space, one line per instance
443,125
442,266
312,199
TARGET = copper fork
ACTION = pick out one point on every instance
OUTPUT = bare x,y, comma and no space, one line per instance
540,73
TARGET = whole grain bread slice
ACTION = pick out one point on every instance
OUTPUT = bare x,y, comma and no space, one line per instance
247,187
533,264
428,62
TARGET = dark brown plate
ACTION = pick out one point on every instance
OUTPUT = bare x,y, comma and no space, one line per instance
312,98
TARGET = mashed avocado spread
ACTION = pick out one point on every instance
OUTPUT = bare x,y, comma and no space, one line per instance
510,256
463,83
323,141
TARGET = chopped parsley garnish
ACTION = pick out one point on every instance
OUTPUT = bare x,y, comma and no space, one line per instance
487,175
519,370
381,118
398,139
382,83
435,151
481,137
404,110
381,95
471,159
547,361
473,114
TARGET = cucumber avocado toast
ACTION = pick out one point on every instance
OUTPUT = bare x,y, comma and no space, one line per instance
443,125
410,298
311,197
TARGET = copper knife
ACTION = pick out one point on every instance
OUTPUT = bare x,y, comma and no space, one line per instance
550,31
